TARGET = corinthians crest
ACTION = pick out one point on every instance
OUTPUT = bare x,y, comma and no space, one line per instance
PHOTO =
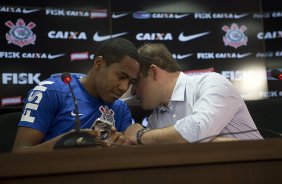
235,36
107,114
20,34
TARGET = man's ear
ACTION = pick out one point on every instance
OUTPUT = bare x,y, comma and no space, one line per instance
154,71
98,62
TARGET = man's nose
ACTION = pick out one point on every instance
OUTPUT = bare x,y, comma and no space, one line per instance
123,86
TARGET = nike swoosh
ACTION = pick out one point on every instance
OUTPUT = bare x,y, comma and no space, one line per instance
116,16
240,16
177,16
183,38
50,56
179,56
73,114
98,38
243,55
25,11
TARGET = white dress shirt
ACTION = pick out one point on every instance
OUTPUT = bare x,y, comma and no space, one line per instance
205,105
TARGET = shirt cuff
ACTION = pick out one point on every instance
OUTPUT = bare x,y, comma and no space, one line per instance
188,130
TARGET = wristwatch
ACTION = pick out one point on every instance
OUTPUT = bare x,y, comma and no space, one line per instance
140,133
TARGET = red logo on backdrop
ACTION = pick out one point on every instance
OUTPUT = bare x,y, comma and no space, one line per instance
11,100
20,34
235,36
98,14
79,56
198,72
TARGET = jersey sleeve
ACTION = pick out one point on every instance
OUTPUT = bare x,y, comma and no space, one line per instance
41,106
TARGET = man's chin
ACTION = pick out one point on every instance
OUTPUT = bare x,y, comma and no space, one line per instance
109,100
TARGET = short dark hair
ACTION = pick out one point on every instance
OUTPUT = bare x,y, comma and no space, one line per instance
157,54
115,49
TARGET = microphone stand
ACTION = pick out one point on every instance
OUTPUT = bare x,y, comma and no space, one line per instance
77,138
77,120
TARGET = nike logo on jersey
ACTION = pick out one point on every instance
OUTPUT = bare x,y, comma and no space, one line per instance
184,38
73,114
99,38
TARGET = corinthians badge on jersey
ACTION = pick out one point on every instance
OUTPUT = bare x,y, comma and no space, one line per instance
235,36
20,34
107,114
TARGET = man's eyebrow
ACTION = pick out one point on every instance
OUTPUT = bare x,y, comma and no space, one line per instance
124,74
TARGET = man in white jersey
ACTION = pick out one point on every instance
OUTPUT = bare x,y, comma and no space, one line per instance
186,108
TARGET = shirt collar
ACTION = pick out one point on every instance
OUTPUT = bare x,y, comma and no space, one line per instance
178,93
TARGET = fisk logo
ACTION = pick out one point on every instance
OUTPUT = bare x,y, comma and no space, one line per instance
247,75
20,78
215,55
34,99
29,55
219,15
147,15
75,13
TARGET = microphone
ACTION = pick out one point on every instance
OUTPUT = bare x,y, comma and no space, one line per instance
66,78
277,74
76,138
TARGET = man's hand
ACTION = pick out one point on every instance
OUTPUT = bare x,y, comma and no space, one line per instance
116,138
131,131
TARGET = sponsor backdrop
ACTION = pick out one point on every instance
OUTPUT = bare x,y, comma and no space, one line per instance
238,39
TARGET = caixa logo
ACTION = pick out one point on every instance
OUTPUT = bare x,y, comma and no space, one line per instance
269,35
154,36
67,35
20,78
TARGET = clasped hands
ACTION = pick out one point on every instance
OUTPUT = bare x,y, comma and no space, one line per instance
129,136
114,138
